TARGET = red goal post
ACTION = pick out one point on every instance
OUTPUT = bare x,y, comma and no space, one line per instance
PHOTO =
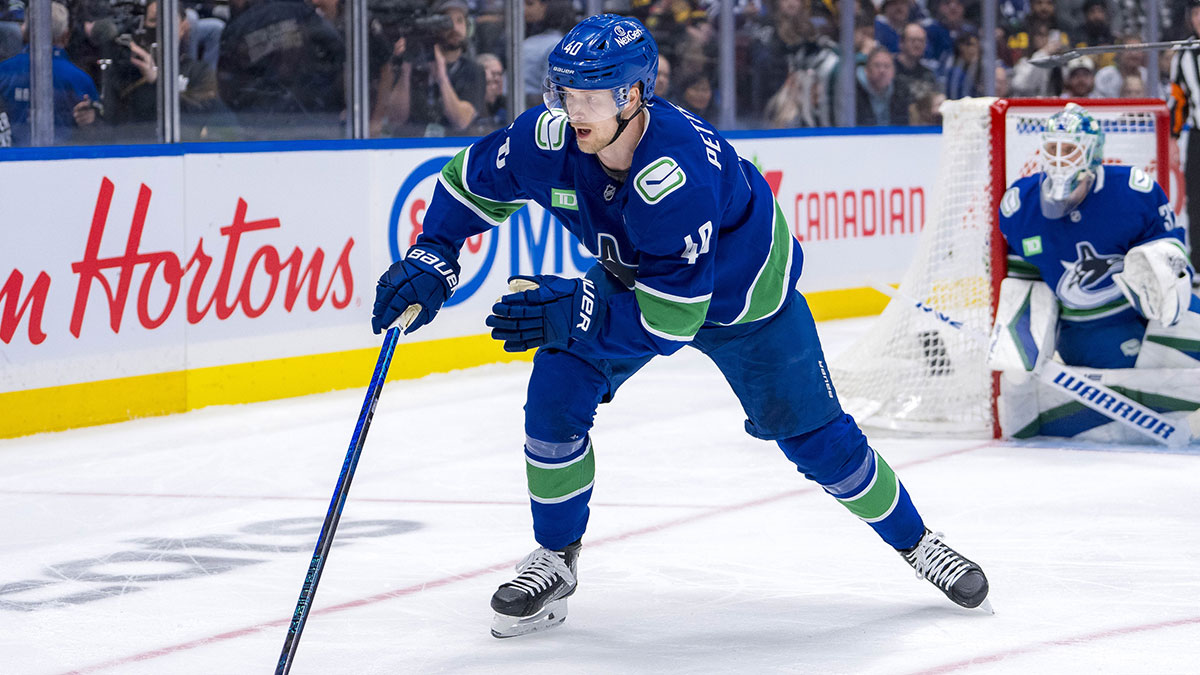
905,374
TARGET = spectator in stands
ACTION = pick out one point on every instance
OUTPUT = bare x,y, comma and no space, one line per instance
696,94
877,101
864,38
964,77
662,86
925,109
1095,30
440,94
495,110
1131,63
1133,87
546,22
280,70
204,37
774,53
131,106
942,31
12,13
1003,78
1079,78
75,93
1031,80
890,21
911,74
1042,17
5,127
805,99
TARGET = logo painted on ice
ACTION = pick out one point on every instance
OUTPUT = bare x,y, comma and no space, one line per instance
411,201
1087,281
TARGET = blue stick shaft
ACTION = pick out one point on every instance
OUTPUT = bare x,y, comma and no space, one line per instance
340,492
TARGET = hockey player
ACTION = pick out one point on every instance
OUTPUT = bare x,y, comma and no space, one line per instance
1097,270
692,251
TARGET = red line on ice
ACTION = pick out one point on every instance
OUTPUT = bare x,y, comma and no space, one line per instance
1060,642
400,592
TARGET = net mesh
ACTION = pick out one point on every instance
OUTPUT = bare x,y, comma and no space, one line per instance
910,372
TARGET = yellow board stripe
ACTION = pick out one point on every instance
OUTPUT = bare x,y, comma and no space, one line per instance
33,411
75,405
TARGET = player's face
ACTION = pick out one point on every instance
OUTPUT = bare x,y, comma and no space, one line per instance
593,115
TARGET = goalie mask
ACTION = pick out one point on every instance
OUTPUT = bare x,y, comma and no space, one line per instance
1071,153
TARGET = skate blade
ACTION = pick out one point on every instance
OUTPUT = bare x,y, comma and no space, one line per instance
553,614
986,606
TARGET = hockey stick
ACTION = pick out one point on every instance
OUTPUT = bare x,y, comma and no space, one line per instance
340,492
1063,57
1073,383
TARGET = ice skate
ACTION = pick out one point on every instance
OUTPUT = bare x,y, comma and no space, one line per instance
960,579
537,598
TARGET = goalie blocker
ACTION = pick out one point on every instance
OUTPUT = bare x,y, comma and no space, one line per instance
1165,377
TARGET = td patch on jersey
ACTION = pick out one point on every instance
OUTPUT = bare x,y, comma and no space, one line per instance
659,179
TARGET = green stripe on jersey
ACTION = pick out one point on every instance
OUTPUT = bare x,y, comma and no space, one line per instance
454,178
1020,269
769,290
554,483
879,498
670,317
1107,309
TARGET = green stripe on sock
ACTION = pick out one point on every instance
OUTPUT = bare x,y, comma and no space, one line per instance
880,498
550,483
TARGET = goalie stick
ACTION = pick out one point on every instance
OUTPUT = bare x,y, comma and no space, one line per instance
340,492
1075,384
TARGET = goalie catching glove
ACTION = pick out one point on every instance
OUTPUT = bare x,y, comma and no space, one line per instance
1156,280
414,289
544,310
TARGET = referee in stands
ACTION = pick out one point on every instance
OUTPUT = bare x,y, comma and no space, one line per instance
1184,106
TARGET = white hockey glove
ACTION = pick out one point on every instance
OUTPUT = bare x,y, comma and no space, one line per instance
1156,280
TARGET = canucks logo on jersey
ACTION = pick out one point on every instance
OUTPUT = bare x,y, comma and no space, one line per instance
1087,282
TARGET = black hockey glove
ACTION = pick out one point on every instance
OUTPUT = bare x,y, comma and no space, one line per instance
545,310
414,289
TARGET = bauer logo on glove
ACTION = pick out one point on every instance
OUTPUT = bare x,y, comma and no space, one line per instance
544,310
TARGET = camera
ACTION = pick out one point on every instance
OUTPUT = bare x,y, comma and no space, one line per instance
413,21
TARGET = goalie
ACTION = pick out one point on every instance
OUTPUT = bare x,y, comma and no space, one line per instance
1097,272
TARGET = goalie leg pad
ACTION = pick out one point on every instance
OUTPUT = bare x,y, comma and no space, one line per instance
1026,323
1176,346
1173,392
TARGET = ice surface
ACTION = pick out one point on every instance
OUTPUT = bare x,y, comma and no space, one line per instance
178,544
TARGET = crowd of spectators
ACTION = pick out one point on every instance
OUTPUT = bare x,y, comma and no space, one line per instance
273,69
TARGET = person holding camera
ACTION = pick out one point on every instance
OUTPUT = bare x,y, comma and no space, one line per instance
75,94
281,70
439,90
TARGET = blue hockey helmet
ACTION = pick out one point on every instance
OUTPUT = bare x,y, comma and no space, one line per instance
605,52
1072,149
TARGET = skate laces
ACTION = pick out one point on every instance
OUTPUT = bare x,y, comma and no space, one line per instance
937,562
538,570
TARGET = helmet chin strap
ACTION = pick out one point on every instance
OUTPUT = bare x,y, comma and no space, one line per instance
623,122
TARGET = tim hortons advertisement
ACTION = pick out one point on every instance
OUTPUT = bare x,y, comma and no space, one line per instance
121,267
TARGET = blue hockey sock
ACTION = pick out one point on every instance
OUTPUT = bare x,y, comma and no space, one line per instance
875,494
560,477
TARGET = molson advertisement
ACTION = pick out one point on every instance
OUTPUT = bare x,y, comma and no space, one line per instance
133,286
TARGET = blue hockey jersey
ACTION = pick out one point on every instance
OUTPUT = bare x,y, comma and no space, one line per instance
693,229
1078,253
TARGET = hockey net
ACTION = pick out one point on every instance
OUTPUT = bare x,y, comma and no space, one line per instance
912,373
